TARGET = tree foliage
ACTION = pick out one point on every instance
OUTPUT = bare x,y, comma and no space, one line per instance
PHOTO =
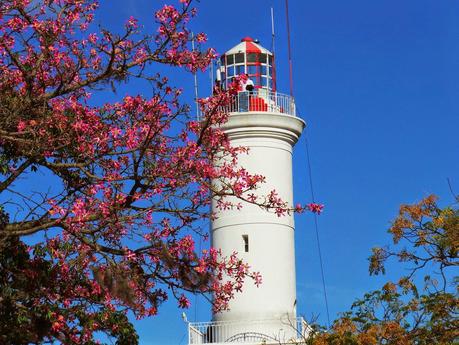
415,309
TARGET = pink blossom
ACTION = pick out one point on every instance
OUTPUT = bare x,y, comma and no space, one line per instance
132,23
315,208
183,302
21,126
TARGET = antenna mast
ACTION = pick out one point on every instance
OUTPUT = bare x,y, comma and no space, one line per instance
289,49
272,29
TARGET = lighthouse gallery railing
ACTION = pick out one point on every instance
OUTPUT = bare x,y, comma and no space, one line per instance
247,332
261,100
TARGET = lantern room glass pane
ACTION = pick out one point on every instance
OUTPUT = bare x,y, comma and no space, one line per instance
251,57
270,71
270,83
263,69
239,58
264,81
270,59
262,58
252,69
230,59
240,69
230,71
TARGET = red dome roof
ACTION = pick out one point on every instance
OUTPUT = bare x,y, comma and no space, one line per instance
248,44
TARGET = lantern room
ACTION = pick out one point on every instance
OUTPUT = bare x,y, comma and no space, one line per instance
248,57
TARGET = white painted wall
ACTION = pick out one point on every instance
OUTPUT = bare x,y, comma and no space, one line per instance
270,137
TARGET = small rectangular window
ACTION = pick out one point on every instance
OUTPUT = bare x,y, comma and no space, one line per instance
239,58
245,238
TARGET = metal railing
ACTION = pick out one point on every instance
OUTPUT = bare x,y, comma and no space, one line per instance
261,100
276,331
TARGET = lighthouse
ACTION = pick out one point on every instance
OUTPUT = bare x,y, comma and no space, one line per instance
266,122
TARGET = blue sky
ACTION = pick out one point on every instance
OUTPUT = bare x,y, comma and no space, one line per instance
377,83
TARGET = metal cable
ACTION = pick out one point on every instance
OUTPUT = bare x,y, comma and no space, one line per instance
316,226
309,168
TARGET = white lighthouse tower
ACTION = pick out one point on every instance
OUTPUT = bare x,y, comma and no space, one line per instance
266,122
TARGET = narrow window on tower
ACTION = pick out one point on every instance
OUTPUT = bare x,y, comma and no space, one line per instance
245,238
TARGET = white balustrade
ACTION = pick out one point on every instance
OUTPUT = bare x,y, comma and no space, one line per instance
249,332
262,100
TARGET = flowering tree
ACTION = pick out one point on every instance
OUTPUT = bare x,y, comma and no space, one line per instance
129,182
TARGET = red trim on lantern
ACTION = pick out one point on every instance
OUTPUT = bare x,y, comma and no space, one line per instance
251,48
